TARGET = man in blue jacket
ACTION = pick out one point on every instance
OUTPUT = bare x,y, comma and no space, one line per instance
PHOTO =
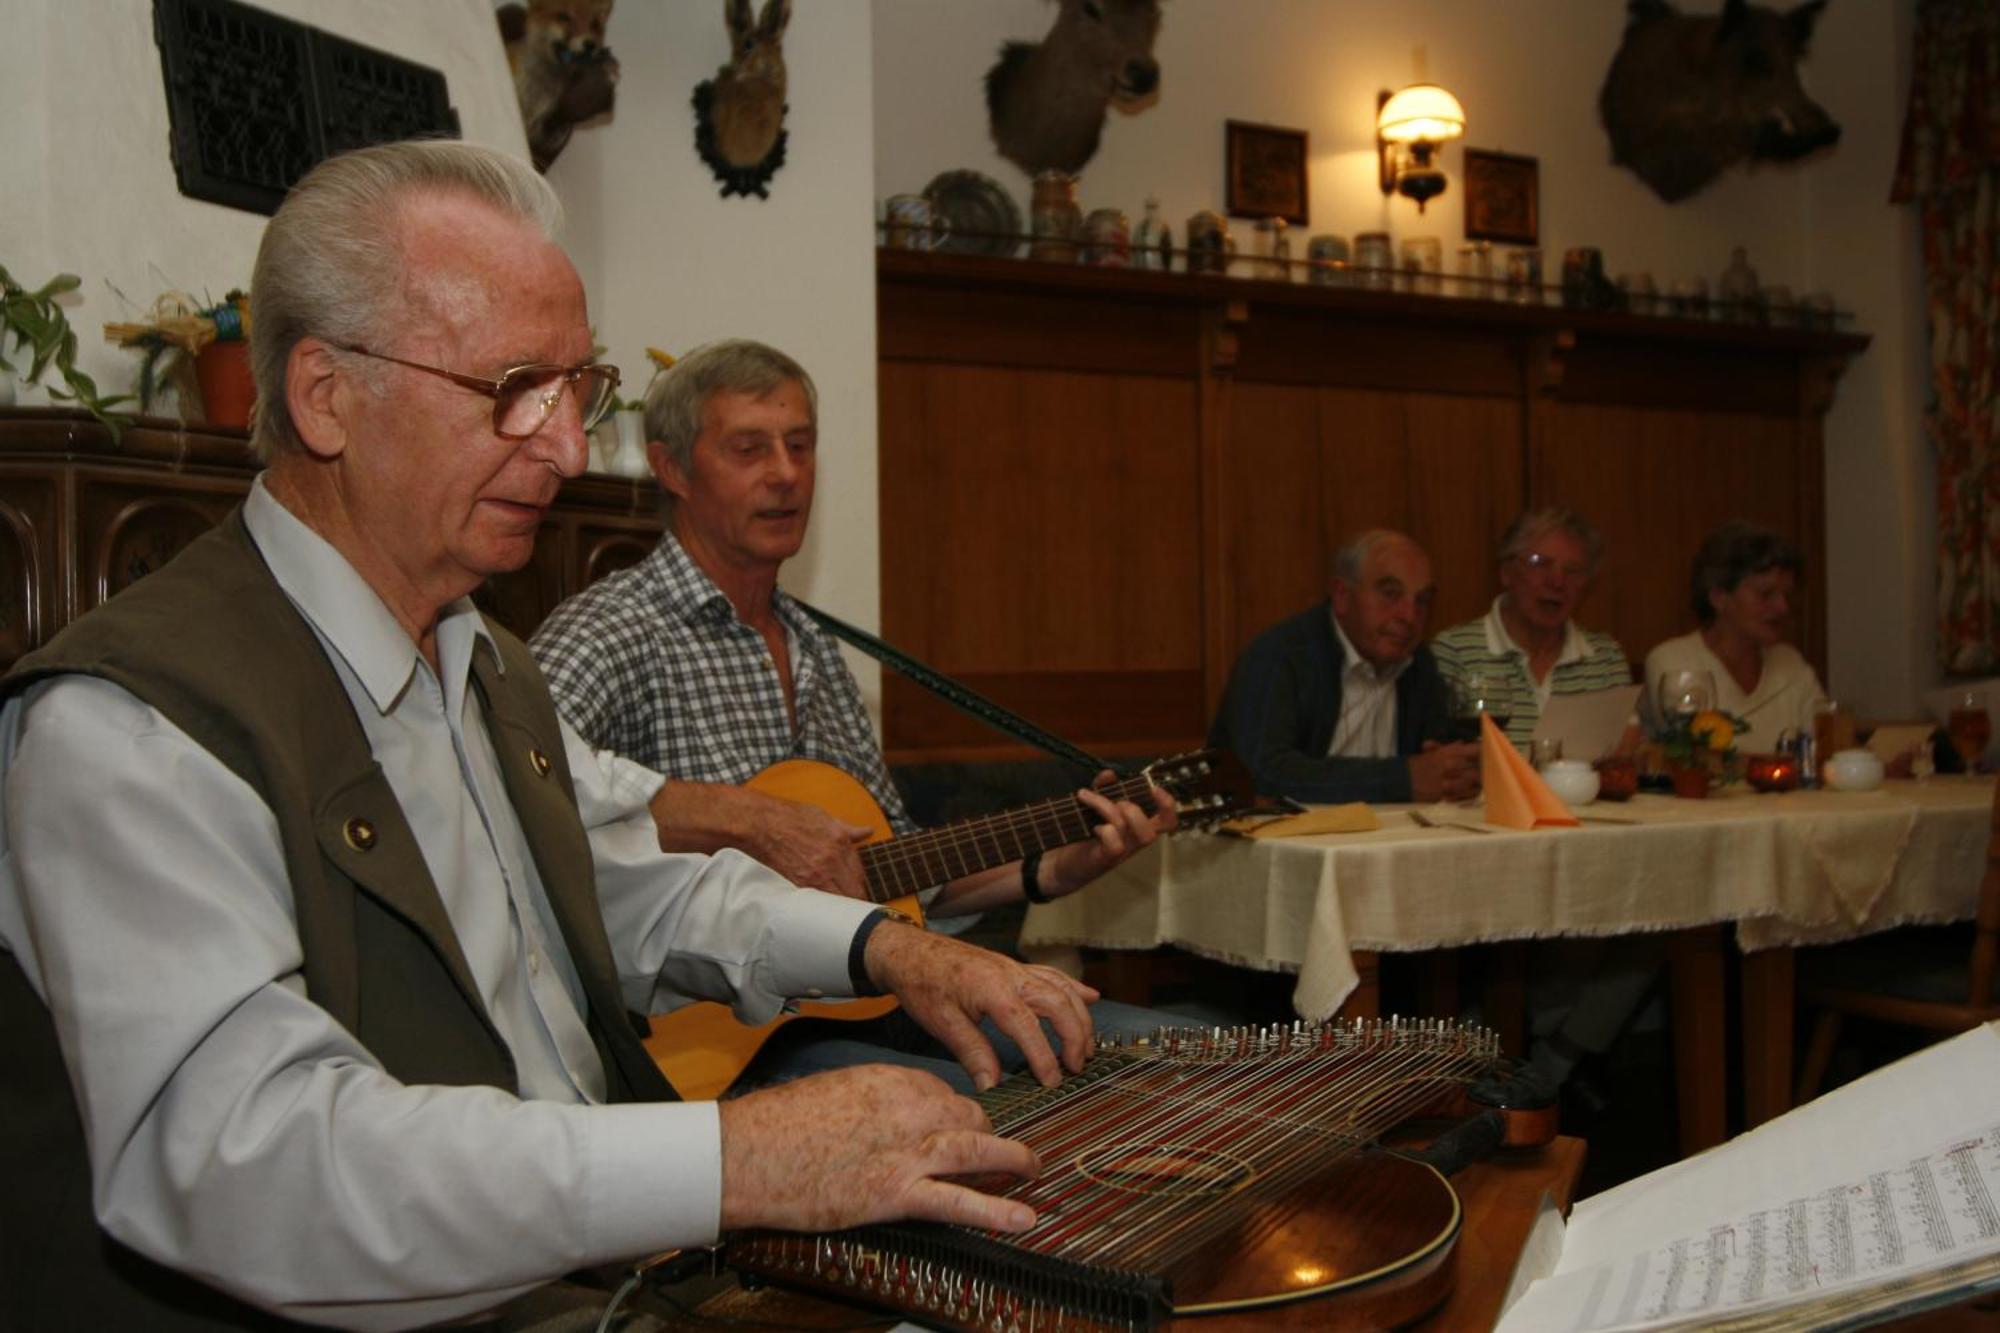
1343,702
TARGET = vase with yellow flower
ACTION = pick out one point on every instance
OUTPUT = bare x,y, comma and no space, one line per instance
1700,748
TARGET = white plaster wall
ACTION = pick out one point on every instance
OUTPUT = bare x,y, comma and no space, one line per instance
670,263
89,187
1528,73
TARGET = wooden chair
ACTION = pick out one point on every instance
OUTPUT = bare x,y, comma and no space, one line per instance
1939,994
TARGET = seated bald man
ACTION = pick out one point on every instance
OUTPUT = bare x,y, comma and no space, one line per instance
1343,702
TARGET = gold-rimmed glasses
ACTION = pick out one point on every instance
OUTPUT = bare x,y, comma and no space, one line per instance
525,397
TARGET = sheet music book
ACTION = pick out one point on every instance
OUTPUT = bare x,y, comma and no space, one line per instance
1881,1194
1588,724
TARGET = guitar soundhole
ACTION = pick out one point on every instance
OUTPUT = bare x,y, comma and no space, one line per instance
1164,1168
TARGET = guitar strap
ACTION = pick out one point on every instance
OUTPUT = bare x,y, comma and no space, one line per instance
959,696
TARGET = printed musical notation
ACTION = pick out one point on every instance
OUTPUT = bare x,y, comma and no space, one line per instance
1936,1209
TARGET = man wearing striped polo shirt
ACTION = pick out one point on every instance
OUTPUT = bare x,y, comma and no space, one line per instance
1528,646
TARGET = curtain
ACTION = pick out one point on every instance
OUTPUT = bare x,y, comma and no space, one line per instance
1949,167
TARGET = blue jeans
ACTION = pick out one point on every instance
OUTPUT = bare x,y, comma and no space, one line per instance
813,1046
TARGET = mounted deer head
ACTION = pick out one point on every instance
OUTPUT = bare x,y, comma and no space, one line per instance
1691,94
1047,101
740,113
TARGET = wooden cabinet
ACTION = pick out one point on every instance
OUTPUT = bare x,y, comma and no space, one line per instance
1097,485
82,517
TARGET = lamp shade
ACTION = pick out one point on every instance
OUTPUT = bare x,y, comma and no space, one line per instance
1422,111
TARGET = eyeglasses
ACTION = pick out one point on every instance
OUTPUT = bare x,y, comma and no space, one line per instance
1548,564
525,397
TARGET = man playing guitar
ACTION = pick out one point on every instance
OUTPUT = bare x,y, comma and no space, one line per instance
696,664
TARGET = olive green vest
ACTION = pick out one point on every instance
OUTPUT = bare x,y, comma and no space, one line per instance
212,642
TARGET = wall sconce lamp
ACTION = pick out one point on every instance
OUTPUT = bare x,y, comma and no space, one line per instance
1423,116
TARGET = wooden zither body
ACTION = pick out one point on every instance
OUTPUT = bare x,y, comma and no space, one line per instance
1209,1178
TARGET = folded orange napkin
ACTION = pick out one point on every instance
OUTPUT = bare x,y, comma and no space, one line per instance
1354,817
1516,796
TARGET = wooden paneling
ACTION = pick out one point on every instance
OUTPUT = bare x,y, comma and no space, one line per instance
1097,485
1037,519
1656,481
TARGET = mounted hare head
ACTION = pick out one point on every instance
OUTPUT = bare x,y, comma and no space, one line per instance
740,113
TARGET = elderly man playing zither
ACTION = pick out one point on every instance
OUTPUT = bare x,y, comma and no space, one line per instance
697,664
319,930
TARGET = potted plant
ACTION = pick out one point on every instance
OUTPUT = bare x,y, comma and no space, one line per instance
33,321
1699,747
207,350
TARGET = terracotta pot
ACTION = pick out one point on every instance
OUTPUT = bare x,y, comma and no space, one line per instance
1692,783
227,390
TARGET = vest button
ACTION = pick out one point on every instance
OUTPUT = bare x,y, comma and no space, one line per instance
360,834
539,762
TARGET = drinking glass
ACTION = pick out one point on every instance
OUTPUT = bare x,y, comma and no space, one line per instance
1833,731
1685,693
1970,727
1544,750
1479,692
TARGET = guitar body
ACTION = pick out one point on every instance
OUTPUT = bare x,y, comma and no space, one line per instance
702,1047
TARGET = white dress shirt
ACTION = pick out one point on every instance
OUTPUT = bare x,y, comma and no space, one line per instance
1367,725
237,1131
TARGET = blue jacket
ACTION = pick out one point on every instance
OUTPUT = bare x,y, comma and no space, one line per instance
1283,702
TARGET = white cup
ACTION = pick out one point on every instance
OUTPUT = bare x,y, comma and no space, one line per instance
1853,770
1573,781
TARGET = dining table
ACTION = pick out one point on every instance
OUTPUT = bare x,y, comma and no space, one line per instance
1756,874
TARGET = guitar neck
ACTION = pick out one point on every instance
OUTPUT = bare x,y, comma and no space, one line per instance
902,866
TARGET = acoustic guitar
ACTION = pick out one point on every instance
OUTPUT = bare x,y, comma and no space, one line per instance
702,1047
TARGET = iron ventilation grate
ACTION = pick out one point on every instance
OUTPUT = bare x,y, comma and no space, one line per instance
255,100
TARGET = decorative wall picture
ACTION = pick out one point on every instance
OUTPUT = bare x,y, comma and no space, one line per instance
740,113
1046,101
1266,169
564,74
1690,95
1502,198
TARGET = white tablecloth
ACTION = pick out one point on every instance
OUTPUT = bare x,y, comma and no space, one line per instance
1805,867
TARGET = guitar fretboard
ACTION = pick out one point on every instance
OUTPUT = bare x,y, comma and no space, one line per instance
903,866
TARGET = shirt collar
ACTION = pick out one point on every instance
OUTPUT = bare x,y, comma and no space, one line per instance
348,614
1501,644
1356,662
692,596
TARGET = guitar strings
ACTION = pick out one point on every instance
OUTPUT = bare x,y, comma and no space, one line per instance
919,861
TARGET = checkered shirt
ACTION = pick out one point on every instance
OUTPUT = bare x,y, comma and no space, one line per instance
653,663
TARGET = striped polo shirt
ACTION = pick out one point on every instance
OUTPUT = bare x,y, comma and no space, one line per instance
1589,661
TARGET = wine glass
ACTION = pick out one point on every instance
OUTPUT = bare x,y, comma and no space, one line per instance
1478,691
1682,694
1970,726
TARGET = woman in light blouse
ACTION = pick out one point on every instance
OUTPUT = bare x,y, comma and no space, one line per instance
1742,587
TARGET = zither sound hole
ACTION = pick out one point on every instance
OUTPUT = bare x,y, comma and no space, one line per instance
1164,1168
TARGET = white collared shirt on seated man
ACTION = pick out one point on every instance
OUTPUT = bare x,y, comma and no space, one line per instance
1367,725
227,1057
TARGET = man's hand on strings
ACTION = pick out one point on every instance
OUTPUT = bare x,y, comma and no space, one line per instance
949,987
869,1144
1124,830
